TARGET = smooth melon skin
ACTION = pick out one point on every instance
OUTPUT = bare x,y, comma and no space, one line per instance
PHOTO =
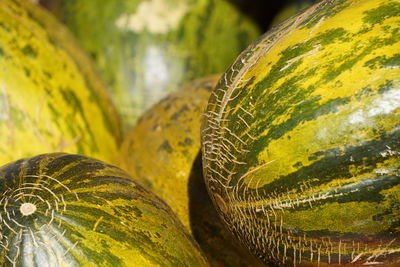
161,148
162,152
63,209
301,138
51,99
146,49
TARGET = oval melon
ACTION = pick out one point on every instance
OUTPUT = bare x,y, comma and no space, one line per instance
51,99
301,138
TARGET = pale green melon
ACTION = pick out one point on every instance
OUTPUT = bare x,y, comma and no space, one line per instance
147,48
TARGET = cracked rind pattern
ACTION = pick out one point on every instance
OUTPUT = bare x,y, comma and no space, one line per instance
301,138
88,213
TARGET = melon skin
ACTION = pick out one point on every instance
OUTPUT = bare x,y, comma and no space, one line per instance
51,97
146,49
163,152
63,209
301,138
163,145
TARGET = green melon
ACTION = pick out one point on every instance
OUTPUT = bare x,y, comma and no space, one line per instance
301,138
70,210
51,99
162,151
147,48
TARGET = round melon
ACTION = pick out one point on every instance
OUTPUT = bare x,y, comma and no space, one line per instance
162,152
147,48
63,209
301,138
51,99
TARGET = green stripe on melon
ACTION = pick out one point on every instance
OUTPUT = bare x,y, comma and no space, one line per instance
301,141
69,210
148,48
50,97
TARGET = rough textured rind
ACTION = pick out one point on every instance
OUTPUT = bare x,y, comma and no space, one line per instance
88,213
162,151
148,48
50,97
301,141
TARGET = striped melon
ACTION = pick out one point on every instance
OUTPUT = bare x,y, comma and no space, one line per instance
69,210
301,138
147,48
162,152
50,97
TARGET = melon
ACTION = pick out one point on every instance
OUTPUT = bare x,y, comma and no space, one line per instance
148,48
301,138
63,209
51,98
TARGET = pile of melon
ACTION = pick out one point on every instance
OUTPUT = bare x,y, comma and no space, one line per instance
172,133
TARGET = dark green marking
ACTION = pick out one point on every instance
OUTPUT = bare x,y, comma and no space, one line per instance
386,86
383,62
166,146
48,74
4,27
379,14
182,110
29,51
55,114
71,98
186,142
27,72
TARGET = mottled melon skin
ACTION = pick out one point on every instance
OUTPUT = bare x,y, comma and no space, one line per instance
301,138
162,151
51,99
148,48
87,213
